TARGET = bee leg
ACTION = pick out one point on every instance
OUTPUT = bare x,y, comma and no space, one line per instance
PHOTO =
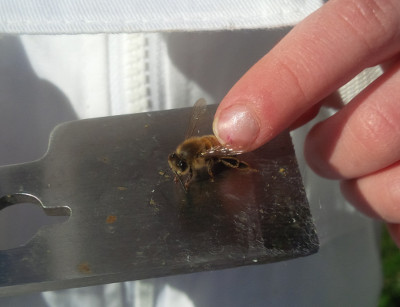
210,167
236,163
245,166
189,179
178,178
231,162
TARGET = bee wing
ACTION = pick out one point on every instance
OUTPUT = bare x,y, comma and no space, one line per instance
198,110
221,151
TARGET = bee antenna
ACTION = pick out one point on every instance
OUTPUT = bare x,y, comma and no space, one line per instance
180,180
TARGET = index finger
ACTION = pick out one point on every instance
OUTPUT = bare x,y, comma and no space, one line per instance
319,55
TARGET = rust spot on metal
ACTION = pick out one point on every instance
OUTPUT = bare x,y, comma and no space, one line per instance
84,268
104,159
111,219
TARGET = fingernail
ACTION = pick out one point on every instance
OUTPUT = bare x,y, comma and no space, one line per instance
236,126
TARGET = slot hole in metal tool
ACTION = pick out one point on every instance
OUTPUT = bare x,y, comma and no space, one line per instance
21,217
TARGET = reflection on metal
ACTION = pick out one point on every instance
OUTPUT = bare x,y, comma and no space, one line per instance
130,220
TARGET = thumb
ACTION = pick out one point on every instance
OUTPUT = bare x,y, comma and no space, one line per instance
319,55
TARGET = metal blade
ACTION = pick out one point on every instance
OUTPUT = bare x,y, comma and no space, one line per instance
129,219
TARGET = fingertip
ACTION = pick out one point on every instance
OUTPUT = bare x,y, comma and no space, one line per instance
352,193
237,126
313,152
320,151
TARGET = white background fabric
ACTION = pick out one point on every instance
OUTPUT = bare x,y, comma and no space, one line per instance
93,16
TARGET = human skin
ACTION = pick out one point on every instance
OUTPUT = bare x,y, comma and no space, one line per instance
360,144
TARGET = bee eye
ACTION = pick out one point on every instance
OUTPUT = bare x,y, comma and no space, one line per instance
182,165
176,161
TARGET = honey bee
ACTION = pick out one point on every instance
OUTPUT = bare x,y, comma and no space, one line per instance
197,153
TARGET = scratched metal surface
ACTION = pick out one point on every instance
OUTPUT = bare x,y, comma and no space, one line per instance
128,218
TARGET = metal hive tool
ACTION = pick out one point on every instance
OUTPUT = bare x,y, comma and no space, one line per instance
129,219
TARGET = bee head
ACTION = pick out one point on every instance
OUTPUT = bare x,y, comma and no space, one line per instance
177,164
